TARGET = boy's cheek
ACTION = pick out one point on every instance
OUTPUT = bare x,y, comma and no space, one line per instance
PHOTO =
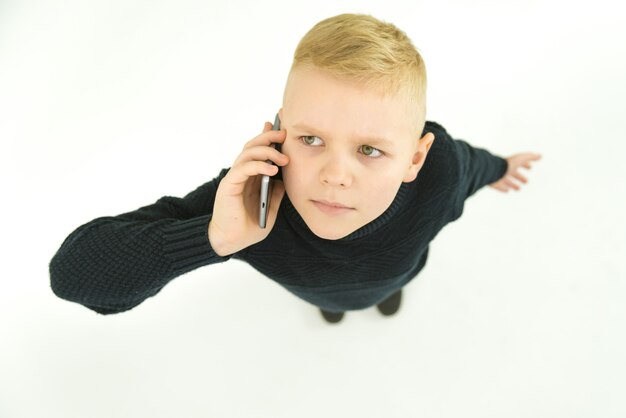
287,150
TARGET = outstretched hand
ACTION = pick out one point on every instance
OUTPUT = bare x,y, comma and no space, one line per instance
515,162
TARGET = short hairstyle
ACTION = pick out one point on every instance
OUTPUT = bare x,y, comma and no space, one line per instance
370,52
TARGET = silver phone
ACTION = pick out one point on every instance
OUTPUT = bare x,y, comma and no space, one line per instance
266,186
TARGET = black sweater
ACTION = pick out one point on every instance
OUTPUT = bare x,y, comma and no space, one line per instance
113,263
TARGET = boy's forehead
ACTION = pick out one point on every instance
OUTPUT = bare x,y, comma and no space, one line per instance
314,99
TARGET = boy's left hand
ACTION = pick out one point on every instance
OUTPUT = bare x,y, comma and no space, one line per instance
515,162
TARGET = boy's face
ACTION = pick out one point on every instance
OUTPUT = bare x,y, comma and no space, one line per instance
347,146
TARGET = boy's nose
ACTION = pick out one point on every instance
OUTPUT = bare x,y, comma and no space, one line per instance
336,173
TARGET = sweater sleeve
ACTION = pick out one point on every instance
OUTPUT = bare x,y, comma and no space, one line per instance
478,167
113,263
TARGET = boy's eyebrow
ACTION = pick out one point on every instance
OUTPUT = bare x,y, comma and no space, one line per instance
367,139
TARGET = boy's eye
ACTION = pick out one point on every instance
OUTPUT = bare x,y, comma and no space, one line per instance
366,150
370,151
309,140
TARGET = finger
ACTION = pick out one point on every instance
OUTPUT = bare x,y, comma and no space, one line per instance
267,138
530,157
510,184
519,177
262,153
242,172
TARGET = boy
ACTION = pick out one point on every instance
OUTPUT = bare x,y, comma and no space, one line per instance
366,184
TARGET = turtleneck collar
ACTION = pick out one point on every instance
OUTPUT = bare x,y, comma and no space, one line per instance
296,221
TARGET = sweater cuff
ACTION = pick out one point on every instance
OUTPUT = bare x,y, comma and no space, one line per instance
187,244
502,168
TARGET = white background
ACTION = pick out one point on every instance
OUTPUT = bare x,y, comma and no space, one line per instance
107,106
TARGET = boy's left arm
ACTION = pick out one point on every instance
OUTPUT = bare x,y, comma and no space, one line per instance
481,168
515,162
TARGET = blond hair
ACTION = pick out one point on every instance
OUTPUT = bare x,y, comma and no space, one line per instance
370,52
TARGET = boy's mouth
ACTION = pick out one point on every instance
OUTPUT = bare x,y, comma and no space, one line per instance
331,208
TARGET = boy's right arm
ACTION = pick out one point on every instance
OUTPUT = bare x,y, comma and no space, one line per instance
235,222
112,264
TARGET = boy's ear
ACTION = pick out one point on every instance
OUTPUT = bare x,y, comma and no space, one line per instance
423,146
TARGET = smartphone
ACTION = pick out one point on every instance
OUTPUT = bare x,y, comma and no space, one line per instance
266,184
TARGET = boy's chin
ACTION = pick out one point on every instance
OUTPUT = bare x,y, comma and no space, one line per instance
331,234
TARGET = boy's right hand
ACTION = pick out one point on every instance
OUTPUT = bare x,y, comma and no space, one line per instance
235,221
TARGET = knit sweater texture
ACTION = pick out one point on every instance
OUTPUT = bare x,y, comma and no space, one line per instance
113,263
